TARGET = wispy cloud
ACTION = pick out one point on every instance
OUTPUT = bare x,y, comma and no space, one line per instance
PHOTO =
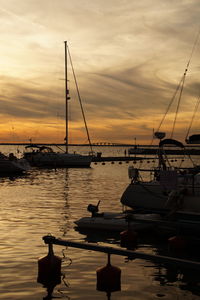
128,55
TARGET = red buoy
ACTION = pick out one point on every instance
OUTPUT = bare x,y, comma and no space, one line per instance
128,239
108,278
49,269
177,244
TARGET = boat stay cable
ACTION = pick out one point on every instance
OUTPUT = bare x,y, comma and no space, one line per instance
169,105
178,104
80,100
184,75
194,113
179,87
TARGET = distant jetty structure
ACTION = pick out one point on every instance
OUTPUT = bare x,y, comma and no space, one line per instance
132,149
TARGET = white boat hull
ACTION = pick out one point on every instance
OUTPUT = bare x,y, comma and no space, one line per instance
58,160
151,196
115,222
143,223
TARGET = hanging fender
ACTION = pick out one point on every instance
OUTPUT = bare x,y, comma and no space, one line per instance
176,198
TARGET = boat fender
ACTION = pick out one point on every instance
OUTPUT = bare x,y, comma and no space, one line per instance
128,239
177,244
49,269
133,173
108,278
175,199
197,178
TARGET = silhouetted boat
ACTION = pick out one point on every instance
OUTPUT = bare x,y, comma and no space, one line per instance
175,191
11,165
45,156
193,139
116,222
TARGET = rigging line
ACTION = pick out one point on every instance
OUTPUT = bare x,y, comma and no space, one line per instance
80,101
58,147
181,91
193,48
178,104
182,79
194,113
173,97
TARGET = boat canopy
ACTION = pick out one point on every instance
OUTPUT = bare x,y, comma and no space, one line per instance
171,142
193,139
32,146
40,148
159,135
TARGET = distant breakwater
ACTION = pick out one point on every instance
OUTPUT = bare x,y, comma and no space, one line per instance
76,145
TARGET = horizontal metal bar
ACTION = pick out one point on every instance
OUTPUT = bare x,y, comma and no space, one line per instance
122,252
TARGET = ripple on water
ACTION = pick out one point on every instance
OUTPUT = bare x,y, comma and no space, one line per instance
48,201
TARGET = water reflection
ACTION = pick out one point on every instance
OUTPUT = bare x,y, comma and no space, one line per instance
58,294
49,295
12,178
49,201
49,272
92,236
185,279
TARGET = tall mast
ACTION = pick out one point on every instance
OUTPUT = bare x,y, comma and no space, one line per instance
66,100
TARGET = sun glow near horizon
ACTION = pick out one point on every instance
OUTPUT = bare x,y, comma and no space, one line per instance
128,59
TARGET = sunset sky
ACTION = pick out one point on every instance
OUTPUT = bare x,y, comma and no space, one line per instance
128,55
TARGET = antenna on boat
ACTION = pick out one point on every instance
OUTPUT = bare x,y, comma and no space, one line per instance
66,100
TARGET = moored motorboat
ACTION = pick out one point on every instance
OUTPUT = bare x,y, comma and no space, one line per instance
117,222
42,156
140,221
11,165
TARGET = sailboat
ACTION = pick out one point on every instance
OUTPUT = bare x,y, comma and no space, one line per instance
172,190
42,156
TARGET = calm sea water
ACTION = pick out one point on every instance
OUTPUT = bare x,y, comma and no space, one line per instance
49,201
